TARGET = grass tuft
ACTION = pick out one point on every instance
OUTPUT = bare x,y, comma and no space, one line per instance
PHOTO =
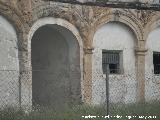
76,112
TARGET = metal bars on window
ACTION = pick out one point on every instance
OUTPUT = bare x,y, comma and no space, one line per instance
156,62
111,59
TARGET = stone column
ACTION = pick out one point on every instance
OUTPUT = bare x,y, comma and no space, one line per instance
88,75
25,77
140,74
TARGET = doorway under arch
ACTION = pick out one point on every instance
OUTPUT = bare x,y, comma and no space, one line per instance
56,74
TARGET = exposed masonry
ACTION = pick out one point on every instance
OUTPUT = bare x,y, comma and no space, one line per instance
85,22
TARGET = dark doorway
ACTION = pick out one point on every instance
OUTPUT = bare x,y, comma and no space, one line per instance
56,67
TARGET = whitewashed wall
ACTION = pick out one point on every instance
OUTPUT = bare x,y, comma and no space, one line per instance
9,65
114,36
152,84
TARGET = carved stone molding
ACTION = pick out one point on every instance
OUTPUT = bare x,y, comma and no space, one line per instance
88,50
141,52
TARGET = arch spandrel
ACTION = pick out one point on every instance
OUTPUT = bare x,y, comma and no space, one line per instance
16,19
153,23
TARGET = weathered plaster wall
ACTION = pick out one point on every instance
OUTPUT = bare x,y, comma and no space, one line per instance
152,81
9,64
114,36
83,21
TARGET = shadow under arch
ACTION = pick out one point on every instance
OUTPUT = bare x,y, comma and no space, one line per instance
56,58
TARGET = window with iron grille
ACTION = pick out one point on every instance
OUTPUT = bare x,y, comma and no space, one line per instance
112,59
156,62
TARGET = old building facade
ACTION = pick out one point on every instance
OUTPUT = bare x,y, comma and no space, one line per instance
60,47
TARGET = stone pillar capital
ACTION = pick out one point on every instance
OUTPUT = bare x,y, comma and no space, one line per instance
141,52
88,50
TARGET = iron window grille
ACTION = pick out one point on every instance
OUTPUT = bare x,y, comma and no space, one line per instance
156,62
113,59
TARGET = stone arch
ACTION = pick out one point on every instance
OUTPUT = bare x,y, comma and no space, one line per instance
18,23
123,17
20,27
127,78
50,9
61,23
152,45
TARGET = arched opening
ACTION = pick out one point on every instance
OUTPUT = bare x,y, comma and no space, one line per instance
56,74
9,64
152,66
114,45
